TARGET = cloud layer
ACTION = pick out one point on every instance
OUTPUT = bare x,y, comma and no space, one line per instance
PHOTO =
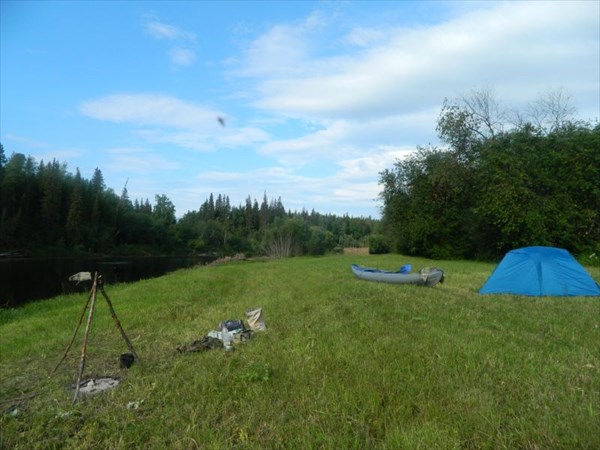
355,102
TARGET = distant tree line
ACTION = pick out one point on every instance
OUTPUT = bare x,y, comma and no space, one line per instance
44,208
267,228
491,189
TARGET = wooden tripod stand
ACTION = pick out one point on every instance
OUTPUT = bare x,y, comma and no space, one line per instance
97,284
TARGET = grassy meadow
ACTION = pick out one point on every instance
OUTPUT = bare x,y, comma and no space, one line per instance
343,364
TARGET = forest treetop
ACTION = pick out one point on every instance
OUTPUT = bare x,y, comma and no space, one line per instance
506,180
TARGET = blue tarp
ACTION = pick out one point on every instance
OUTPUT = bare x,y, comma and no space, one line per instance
540,271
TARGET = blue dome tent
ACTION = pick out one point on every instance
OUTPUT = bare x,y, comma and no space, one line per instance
540,271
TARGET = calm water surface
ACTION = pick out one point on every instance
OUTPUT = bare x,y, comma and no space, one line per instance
27,279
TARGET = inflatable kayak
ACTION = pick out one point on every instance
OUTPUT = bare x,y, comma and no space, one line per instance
424,277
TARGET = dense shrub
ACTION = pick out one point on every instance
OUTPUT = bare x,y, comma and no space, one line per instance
378,244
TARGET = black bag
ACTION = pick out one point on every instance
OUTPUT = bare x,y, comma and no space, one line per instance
232,325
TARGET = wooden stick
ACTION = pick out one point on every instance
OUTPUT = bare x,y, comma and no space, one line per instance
19,398
74,333
114,316
85,338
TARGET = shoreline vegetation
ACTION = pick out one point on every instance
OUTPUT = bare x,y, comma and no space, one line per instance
344,363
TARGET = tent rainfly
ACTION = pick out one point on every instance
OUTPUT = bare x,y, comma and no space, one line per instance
538,271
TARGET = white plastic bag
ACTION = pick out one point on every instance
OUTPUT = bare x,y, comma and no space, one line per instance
255,319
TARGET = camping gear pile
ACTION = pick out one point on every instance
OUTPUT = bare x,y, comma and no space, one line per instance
229,332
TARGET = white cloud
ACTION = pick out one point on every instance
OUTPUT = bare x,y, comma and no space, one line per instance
150,110
182,56
162,119
371,163
284,49
366,37
161,30
528,43
281,50
325,144
357,192
345,139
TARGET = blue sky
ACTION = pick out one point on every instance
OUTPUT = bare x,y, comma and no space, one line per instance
317,97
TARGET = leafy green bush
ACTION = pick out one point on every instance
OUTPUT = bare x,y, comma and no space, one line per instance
378,245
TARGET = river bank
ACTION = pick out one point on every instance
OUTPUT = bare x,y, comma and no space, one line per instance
36,278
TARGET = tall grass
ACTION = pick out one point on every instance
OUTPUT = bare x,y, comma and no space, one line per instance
344,363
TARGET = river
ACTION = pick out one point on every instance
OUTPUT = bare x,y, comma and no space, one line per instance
27,279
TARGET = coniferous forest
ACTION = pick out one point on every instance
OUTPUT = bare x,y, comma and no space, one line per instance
46,210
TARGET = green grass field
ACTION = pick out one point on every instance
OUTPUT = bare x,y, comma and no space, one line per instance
344,364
